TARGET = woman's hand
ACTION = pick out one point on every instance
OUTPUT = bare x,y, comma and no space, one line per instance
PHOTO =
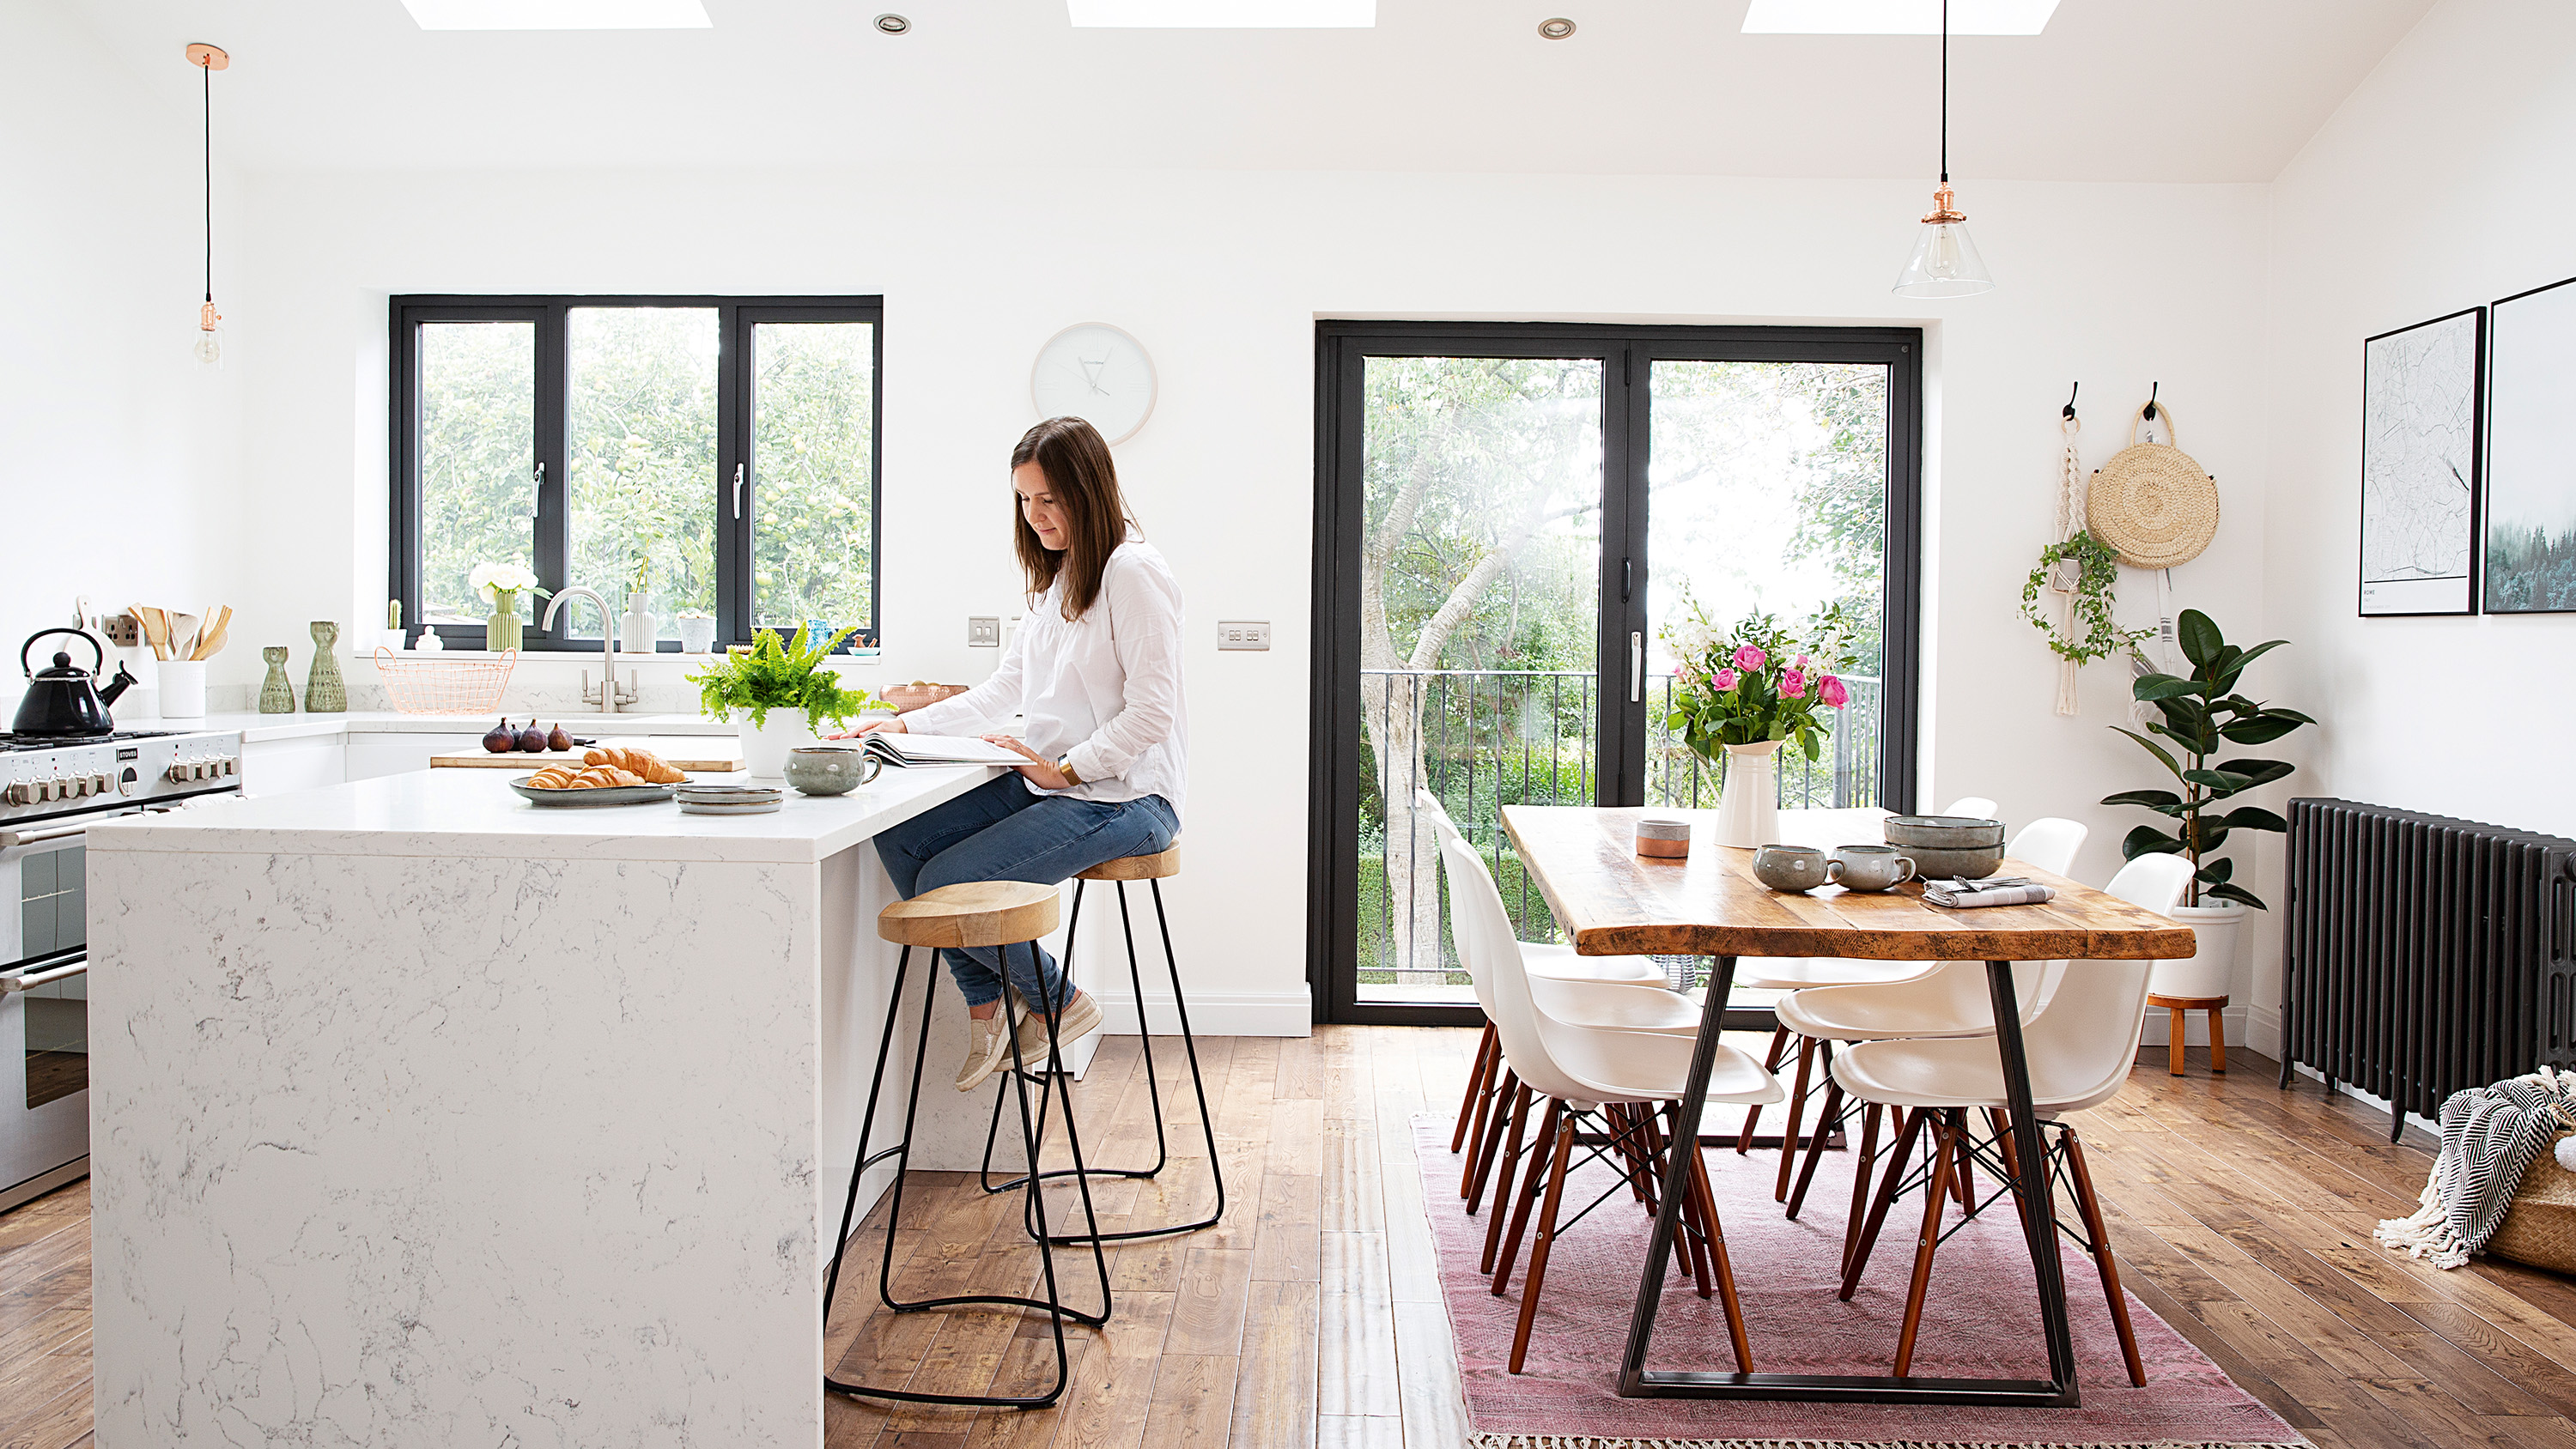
893,726
1040,771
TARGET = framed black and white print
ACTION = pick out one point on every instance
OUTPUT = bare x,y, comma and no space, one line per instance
2422,400
2530,561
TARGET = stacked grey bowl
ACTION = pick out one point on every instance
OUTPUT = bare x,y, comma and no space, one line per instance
1946,847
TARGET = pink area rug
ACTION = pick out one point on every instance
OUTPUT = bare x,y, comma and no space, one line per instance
1981,1320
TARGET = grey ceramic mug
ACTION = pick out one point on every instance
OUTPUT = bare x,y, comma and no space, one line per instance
1790,867
1870,867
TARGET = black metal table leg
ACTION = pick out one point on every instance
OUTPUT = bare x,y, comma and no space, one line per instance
2039,1224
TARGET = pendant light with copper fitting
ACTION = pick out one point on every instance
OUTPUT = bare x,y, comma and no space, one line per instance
210,344
1945,261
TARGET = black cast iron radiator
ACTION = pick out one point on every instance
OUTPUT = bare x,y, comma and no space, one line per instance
2421,954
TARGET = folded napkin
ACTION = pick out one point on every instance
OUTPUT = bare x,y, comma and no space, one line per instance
1962,895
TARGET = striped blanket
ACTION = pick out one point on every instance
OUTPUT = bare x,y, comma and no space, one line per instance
2489,1136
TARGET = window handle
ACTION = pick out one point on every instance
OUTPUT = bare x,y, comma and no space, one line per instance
737,492
1636,666
536,498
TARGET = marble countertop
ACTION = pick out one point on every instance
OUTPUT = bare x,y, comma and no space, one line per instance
451,813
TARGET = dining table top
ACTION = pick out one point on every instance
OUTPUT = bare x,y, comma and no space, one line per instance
1612,901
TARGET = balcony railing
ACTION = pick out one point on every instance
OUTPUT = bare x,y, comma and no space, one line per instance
1488,738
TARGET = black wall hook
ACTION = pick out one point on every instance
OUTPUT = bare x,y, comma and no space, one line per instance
2152,390
2069,409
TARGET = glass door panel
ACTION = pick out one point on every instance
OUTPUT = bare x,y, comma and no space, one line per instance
813,466
478,459
1479,636
1767,490
640,448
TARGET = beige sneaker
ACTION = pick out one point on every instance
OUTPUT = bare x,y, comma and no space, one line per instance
1079,1019
988,1050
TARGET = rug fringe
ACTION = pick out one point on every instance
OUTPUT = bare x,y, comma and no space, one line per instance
1594,1441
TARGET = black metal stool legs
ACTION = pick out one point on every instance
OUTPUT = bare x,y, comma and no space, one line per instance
1052,1305
1153,1089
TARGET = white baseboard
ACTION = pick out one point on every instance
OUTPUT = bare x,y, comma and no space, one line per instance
1214,1013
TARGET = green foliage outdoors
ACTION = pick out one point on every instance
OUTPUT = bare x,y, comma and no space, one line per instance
477,458
2203,715
775,675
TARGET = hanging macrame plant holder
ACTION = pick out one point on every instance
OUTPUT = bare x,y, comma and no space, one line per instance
2065,574
2081,573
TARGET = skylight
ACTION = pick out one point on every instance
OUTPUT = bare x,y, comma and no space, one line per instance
1224,14
1896,17
559,14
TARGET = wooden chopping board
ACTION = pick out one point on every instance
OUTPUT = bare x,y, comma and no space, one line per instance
697,754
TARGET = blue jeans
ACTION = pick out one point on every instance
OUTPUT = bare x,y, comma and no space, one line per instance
1003,830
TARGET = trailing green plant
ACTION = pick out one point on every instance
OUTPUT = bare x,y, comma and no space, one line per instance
779,673
2092,633
2203,715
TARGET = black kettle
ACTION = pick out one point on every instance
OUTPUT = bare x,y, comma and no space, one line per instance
64,702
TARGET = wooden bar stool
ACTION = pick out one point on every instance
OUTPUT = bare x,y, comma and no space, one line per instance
999,914
1153,870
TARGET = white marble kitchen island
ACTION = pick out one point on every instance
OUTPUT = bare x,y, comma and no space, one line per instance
424,1116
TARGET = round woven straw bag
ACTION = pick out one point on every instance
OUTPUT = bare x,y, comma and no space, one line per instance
2151,503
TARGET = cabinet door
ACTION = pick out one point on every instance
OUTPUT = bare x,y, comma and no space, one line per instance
371,755
279,767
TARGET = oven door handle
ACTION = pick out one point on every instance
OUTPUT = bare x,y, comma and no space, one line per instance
35,979
9,839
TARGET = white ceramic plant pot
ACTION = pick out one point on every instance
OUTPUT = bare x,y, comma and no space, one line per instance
2211,968
765,747
697,636
1748,808
639,632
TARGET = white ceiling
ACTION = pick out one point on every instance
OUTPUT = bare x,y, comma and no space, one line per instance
2175,90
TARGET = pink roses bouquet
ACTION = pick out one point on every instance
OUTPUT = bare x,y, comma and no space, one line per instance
1758,682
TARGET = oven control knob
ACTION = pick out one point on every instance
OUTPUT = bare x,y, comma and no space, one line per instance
100,784
231,764
22,793
178,774
76,787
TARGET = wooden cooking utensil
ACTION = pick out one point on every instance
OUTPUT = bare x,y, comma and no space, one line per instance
213,639
156,630
183,636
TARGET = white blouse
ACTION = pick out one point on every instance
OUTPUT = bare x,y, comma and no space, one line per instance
1104,689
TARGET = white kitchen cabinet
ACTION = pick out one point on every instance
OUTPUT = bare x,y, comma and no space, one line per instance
306,762
372,755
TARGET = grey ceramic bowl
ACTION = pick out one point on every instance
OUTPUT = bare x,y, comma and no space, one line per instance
1934,863
830,770
1942,832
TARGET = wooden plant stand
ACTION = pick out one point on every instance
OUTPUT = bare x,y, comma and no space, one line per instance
2177,1009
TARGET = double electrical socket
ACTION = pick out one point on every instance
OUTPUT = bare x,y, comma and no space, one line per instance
983,631
1242,634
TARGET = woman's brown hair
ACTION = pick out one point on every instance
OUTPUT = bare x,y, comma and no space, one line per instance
1078,471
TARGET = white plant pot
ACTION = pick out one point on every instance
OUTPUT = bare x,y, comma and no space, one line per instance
765,747
1748,808
638,632
2211,969
697,636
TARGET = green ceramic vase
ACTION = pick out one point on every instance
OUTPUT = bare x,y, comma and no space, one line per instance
324,690
501,631
276,694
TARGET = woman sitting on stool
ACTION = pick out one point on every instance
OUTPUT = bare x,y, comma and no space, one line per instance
1096,672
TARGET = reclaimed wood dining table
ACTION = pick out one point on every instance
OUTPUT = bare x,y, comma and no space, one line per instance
1610,901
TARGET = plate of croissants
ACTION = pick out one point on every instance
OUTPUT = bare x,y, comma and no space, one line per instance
618,775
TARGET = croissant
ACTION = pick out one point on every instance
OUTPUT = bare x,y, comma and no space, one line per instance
649,767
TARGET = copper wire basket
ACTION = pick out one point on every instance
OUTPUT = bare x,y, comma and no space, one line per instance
444,686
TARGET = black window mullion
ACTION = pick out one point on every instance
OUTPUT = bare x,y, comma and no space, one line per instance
734,379
553,487
1621,778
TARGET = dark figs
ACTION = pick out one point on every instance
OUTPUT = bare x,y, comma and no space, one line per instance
561,739
499,740
532,740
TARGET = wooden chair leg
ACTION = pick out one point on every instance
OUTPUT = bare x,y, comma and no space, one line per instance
1531,1181
1546,1239
1689,1254
1861,1165
2100,1232
1797,1110
1504,1167
1694,1230
1507,1111
1707,1198
1944,1153
2001,1122
1858,1258
1753,1114
1471,1106
2175,1017
1963,1183
2217,1044
1826,1121
1628,1140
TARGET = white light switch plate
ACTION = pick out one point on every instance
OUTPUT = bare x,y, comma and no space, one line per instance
1242,633
983,631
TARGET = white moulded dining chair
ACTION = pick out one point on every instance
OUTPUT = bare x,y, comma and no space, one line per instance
1950,999
1623,1077
1972,807
2080,1047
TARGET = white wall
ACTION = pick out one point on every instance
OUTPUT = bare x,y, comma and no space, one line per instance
2440,184
1222,276
121,477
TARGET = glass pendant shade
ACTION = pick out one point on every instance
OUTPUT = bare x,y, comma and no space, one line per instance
1945,263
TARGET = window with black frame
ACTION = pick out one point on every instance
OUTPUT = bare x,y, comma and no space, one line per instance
716,456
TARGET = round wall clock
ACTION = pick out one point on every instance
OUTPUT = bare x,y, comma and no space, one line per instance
1097,373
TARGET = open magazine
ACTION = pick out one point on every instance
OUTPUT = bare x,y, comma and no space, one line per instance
901,751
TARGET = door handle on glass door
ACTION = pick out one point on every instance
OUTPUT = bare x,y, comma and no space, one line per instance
737,492
1636,666
537,495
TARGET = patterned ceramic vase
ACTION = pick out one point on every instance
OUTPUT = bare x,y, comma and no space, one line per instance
324,693
276,694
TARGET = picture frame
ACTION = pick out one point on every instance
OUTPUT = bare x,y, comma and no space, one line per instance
2528,527
2423,416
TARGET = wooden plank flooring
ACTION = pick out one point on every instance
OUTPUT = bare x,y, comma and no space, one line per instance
1310,1319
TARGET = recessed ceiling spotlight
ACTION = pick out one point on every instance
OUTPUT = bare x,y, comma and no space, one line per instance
1557,28
893,24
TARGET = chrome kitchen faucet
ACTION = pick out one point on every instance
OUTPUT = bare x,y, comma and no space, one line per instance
609,695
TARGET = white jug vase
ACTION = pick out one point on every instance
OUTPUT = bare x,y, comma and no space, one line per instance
1748,808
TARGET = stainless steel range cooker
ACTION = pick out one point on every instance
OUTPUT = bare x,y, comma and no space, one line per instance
51,792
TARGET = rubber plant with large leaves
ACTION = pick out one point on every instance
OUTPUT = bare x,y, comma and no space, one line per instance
2203,717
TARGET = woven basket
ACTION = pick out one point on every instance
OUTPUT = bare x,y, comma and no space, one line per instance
432,685
2151,503
2540,1227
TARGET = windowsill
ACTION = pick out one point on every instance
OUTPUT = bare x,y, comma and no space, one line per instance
591,656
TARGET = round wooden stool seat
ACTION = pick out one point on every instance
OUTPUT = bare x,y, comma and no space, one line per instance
973,913
1162,866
